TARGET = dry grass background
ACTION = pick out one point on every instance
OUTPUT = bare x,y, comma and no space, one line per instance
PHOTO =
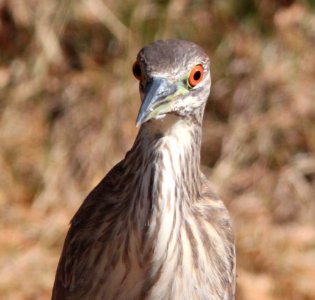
68,102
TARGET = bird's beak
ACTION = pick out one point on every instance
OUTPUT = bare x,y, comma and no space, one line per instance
157,99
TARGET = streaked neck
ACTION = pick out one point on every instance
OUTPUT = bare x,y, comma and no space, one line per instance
171,149
167,154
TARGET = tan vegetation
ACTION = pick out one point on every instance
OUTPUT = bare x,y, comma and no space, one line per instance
68,102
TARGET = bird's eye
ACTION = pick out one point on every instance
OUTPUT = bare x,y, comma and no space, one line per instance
196,75
137,71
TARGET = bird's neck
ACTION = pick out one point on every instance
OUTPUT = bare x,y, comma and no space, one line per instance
164,181
169,150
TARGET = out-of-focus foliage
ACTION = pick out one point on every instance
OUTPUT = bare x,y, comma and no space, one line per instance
68,102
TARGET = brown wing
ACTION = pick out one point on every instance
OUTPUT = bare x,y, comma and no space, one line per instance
75,275
221,219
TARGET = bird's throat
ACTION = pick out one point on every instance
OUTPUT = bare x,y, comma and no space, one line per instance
169,150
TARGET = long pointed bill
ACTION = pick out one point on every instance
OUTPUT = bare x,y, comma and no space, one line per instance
155,101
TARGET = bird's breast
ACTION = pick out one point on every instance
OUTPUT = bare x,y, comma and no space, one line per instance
165,249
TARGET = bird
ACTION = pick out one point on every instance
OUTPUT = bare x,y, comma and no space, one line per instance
153,229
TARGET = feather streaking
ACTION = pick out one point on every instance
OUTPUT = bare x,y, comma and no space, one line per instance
152,228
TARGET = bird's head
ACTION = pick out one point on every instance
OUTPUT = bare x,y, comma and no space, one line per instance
174,78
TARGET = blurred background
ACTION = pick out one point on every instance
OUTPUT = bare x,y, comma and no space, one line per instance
68,103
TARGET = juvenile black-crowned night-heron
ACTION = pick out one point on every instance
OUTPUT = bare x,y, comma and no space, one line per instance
152,228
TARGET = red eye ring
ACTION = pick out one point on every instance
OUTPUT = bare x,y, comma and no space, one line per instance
196,75
137,71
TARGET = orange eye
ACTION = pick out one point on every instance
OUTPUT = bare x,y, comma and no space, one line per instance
136,69
196,75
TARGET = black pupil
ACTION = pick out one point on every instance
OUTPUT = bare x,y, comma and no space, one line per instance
197,75
137,70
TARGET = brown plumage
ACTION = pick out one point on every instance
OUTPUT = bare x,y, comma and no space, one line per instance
152,228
